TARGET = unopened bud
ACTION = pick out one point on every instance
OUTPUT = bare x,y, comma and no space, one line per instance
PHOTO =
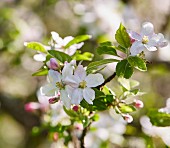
55,136
75,108
127,118
138,104
31,106
53,100
78,126
52,64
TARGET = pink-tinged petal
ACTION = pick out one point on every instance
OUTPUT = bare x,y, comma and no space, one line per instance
52,64
89,95
72,81
77,96
40,57
147,29
54,76
57,38
65,99
134,35
67,40
80,73
136,48
161,42
49,90
150,47
32,106
93,80
67,70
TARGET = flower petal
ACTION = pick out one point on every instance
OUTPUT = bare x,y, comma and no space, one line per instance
57,38
147,29
72,81
40,57
136,48
77,96
89,95
150,47
80,73
54,76
67,39
93,80
67,70
49,90
134,35
65,98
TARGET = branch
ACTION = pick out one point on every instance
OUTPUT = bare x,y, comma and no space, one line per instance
107,80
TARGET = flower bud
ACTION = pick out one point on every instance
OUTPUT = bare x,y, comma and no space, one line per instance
138,104
31,106
53,64
55,136
75,108
127,118
53,100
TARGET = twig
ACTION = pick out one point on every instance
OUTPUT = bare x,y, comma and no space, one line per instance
107,80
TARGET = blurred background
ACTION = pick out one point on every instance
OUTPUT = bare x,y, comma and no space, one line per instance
33,20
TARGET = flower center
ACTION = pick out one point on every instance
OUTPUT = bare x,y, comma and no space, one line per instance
82,84
60,85
145,39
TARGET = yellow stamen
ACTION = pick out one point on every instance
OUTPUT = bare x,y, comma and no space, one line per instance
82,84
145,39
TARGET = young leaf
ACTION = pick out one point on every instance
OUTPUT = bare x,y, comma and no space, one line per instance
77,39
107,43
120,48
124,69
94,65
137,62
106,50
61,56
159,118
127,108
35,46
122,37
86,56
41,72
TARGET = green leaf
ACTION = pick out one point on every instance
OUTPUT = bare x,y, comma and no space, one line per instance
86,56
137,62
35,46
106,50
77,39
127,108
159,118
41,72
122,37
94,65
107,43
70,113
124,69
120,48
61,56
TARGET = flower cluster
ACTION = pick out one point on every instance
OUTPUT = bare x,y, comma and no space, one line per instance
72,84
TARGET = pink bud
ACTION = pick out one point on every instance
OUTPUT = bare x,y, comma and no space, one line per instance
53,100
52,64
132,40
31,106
127,118
138,104
78,126
55,136
75,108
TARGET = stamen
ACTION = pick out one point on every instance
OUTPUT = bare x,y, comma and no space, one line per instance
82,84
145,39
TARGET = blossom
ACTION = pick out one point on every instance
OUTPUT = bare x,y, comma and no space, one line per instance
53,64
82,84
61,43
127,118
57,84
138,103
147,39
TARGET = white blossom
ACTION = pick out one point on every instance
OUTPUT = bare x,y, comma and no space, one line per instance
147,39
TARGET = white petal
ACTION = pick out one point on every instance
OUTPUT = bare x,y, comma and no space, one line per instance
77,96
89,95
71,50
72,81
134,35
65,98
147,29
67,40
69,90
57,38
150,47
49,90
54,76
80,72
136,48
40,57
94,80
67,70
